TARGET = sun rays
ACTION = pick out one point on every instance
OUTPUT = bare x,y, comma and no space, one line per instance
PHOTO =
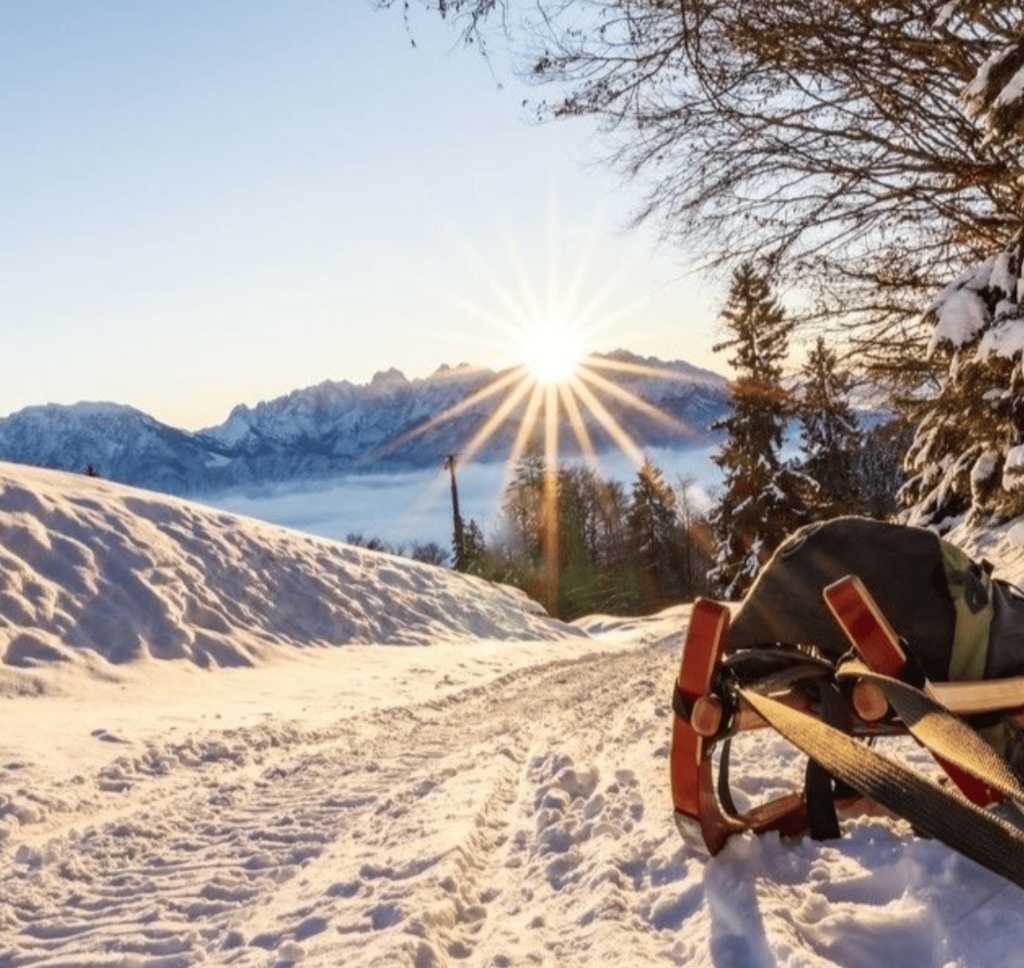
553,391
576,407
551,350
581,398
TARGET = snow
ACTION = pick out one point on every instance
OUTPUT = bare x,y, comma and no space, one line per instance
1004,339
960,316
984,467
980,93
228,743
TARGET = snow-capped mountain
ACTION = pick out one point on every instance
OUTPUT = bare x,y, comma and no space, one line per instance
391,423
120,442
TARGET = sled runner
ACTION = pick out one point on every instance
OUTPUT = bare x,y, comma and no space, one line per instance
813,654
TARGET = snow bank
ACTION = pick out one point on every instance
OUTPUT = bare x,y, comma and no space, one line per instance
96,574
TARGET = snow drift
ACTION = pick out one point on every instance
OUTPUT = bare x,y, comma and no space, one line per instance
93,572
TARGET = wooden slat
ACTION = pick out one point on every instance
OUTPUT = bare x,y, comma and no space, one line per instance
865,626
705,640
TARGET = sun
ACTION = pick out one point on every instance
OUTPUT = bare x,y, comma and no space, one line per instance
551,350
556,392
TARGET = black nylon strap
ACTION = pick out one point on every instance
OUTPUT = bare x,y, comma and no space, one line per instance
934,810
819,784
942,733
819,793
724,790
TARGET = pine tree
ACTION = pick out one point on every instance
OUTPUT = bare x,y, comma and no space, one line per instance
829,433
470,555
879,466
967,457
522,505
763,500
654,533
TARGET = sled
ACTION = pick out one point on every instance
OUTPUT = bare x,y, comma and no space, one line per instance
830,710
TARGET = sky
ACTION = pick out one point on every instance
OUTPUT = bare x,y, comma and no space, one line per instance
212,202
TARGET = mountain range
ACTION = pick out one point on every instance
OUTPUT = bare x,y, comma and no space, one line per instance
390,424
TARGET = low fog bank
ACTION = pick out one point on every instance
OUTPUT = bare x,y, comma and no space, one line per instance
416,506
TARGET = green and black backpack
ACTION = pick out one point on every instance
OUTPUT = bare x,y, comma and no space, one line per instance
955,620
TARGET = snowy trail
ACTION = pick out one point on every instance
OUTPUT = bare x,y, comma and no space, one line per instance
524,820
421,835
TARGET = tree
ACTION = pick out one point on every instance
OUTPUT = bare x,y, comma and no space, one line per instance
373,543
429,552
826,136
578,522
830,437
522,505
654,536
995,96
697,553
619,591
472,553
878,466
763,500
471,14
967,457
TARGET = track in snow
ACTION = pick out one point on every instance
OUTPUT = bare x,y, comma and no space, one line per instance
478,829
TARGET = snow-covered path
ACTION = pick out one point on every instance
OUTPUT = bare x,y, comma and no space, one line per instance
422,834
520,821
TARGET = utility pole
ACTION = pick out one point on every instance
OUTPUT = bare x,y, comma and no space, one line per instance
459,535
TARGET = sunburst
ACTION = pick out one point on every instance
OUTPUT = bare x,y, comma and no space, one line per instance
555,379
543,398
551,350
559,384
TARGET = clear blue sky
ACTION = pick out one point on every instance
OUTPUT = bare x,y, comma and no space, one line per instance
209,202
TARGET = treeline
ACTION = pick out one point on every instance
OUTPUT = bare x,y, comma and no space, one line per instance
627,549
582,544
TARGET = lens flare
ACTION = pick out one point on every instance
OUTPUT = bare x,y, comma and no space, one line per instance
554,390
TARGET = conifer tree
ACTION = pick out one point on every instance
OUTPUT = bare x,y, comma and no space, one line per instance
763,500
829,433
967,457
879,466
469,556
654,532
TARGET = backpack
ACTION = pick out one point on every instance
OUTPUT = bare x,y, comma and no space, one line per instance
956,621
959,622
853,631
